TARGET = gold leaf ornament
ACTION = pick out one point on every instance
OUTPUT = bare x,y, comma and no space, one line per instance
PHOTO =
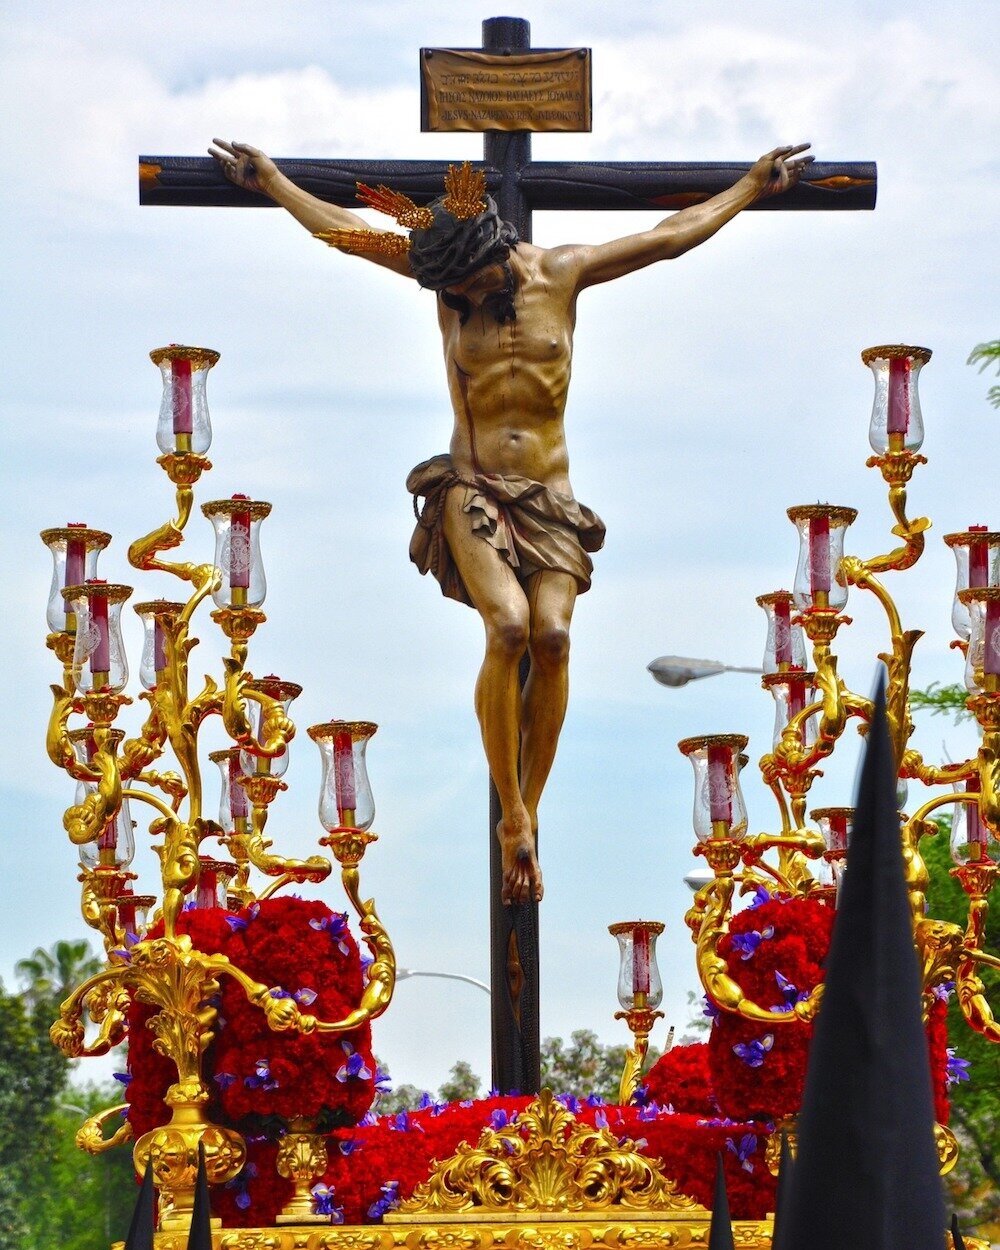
465,191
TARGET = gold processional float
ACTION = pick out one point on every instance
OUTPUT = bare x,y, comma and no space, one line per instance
546,1180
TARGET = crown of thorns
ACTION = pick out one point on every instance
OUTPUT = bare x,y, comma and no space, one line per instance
454,235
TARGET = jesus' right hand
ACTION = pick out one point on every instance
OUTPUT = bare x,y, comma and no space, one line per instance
246,166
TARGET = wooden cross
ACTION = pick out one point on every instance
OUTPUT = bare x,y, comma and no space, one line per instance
519,185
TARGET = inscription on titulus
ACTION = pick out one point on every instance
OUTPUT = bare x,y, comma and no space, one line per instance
462,89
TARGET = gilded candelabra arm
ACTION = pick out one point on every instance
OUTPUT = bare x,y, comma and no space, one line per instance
914,768
860,573
708,919
897,469
143,553
978,878
179,864
67,1033
85,821
260,789
234,707
169,814
58,745
138,753
640,1020
90,1135
989,781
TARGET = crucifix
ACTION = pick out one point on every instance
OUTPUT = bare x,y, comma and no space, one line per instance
499,527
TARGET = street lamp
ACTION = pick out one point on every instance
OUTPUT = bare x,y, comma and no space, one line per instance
678,670
403,973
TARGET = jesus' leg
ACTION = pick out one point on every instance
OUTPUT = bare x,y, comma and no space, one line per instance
502,604
551,598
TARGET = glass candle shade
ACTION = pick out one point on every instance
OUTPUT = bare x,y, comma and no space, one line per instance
237,551
184,425
977,557
793,691
822,529
896,422
99,661
234,806
719,809
283,692
214,876
971,839
982,660
836,825
785,645
154,644
133,911
74,549
345,800
639,983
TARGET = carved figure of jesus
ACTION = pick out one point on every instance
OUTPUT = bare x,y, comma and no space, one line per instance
499,526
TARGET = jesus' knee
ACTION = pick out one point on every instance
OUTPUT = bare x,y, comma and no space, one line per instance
507,634
549,644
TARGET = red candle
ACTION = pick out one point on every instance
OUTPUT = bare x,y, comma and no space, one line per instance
796,697
237,795
76,557
979,558
100,657
126,910
180,395
207,894
239,549
343,769
819,555
899,396
159,647
975,831
640,961
783,631
720,791
991,639
838,832
108,838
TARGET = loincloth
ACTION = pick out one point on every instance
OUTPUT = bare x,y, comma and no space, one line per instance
530,527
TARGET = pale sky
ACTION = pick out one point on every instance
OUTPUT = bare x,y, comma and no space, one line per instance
708,395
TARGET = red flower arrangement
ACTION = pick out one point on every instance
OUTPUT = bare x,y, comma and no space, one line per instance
262,1079
376,1165
774,951
681,1079
937,1047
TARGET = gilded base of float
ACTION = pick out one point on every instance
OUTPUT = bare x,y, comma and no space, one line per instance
645,1230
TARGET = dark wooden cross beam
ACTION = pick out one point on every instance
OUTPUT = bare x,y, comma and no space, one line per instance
519,185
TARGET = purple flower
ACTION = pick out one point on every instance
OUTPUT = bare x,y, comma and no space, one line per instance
305,997
348,1147
236,923
790,993
746,943
594,1100
190,905
710,1009
721,1121
261,1078
754,1053
389,1199
383,1082
241,1184
224,1079
601,1120
499,1118
570,1102
368,1119
323,1203
956,1069
944,991
354,1066
761,895
124,1077
336,926
747,1146
649,1111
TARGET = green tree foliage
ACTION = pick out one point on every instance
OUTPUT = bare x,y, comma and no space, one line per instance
975,1116
984,355
941,700
32,1076
49,975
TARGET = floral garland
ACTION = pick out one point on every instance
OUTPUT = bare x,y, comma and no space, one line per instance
261,1079
681,1079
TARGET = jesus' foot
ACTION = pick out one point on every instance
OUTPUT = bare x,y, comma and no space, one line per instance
522,878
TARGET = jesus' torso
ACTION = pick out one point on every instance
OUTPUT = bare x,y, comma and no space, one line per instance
509,382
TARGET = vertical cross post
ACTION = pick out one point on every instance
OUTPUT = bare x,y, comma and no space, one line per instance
513,930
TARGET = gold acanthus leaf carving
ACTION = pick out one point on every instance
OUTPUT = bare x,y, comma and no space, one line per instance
546,1160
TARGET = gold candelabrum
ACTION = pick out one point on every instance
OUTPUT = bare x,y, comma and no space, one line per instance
813,708
202,861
